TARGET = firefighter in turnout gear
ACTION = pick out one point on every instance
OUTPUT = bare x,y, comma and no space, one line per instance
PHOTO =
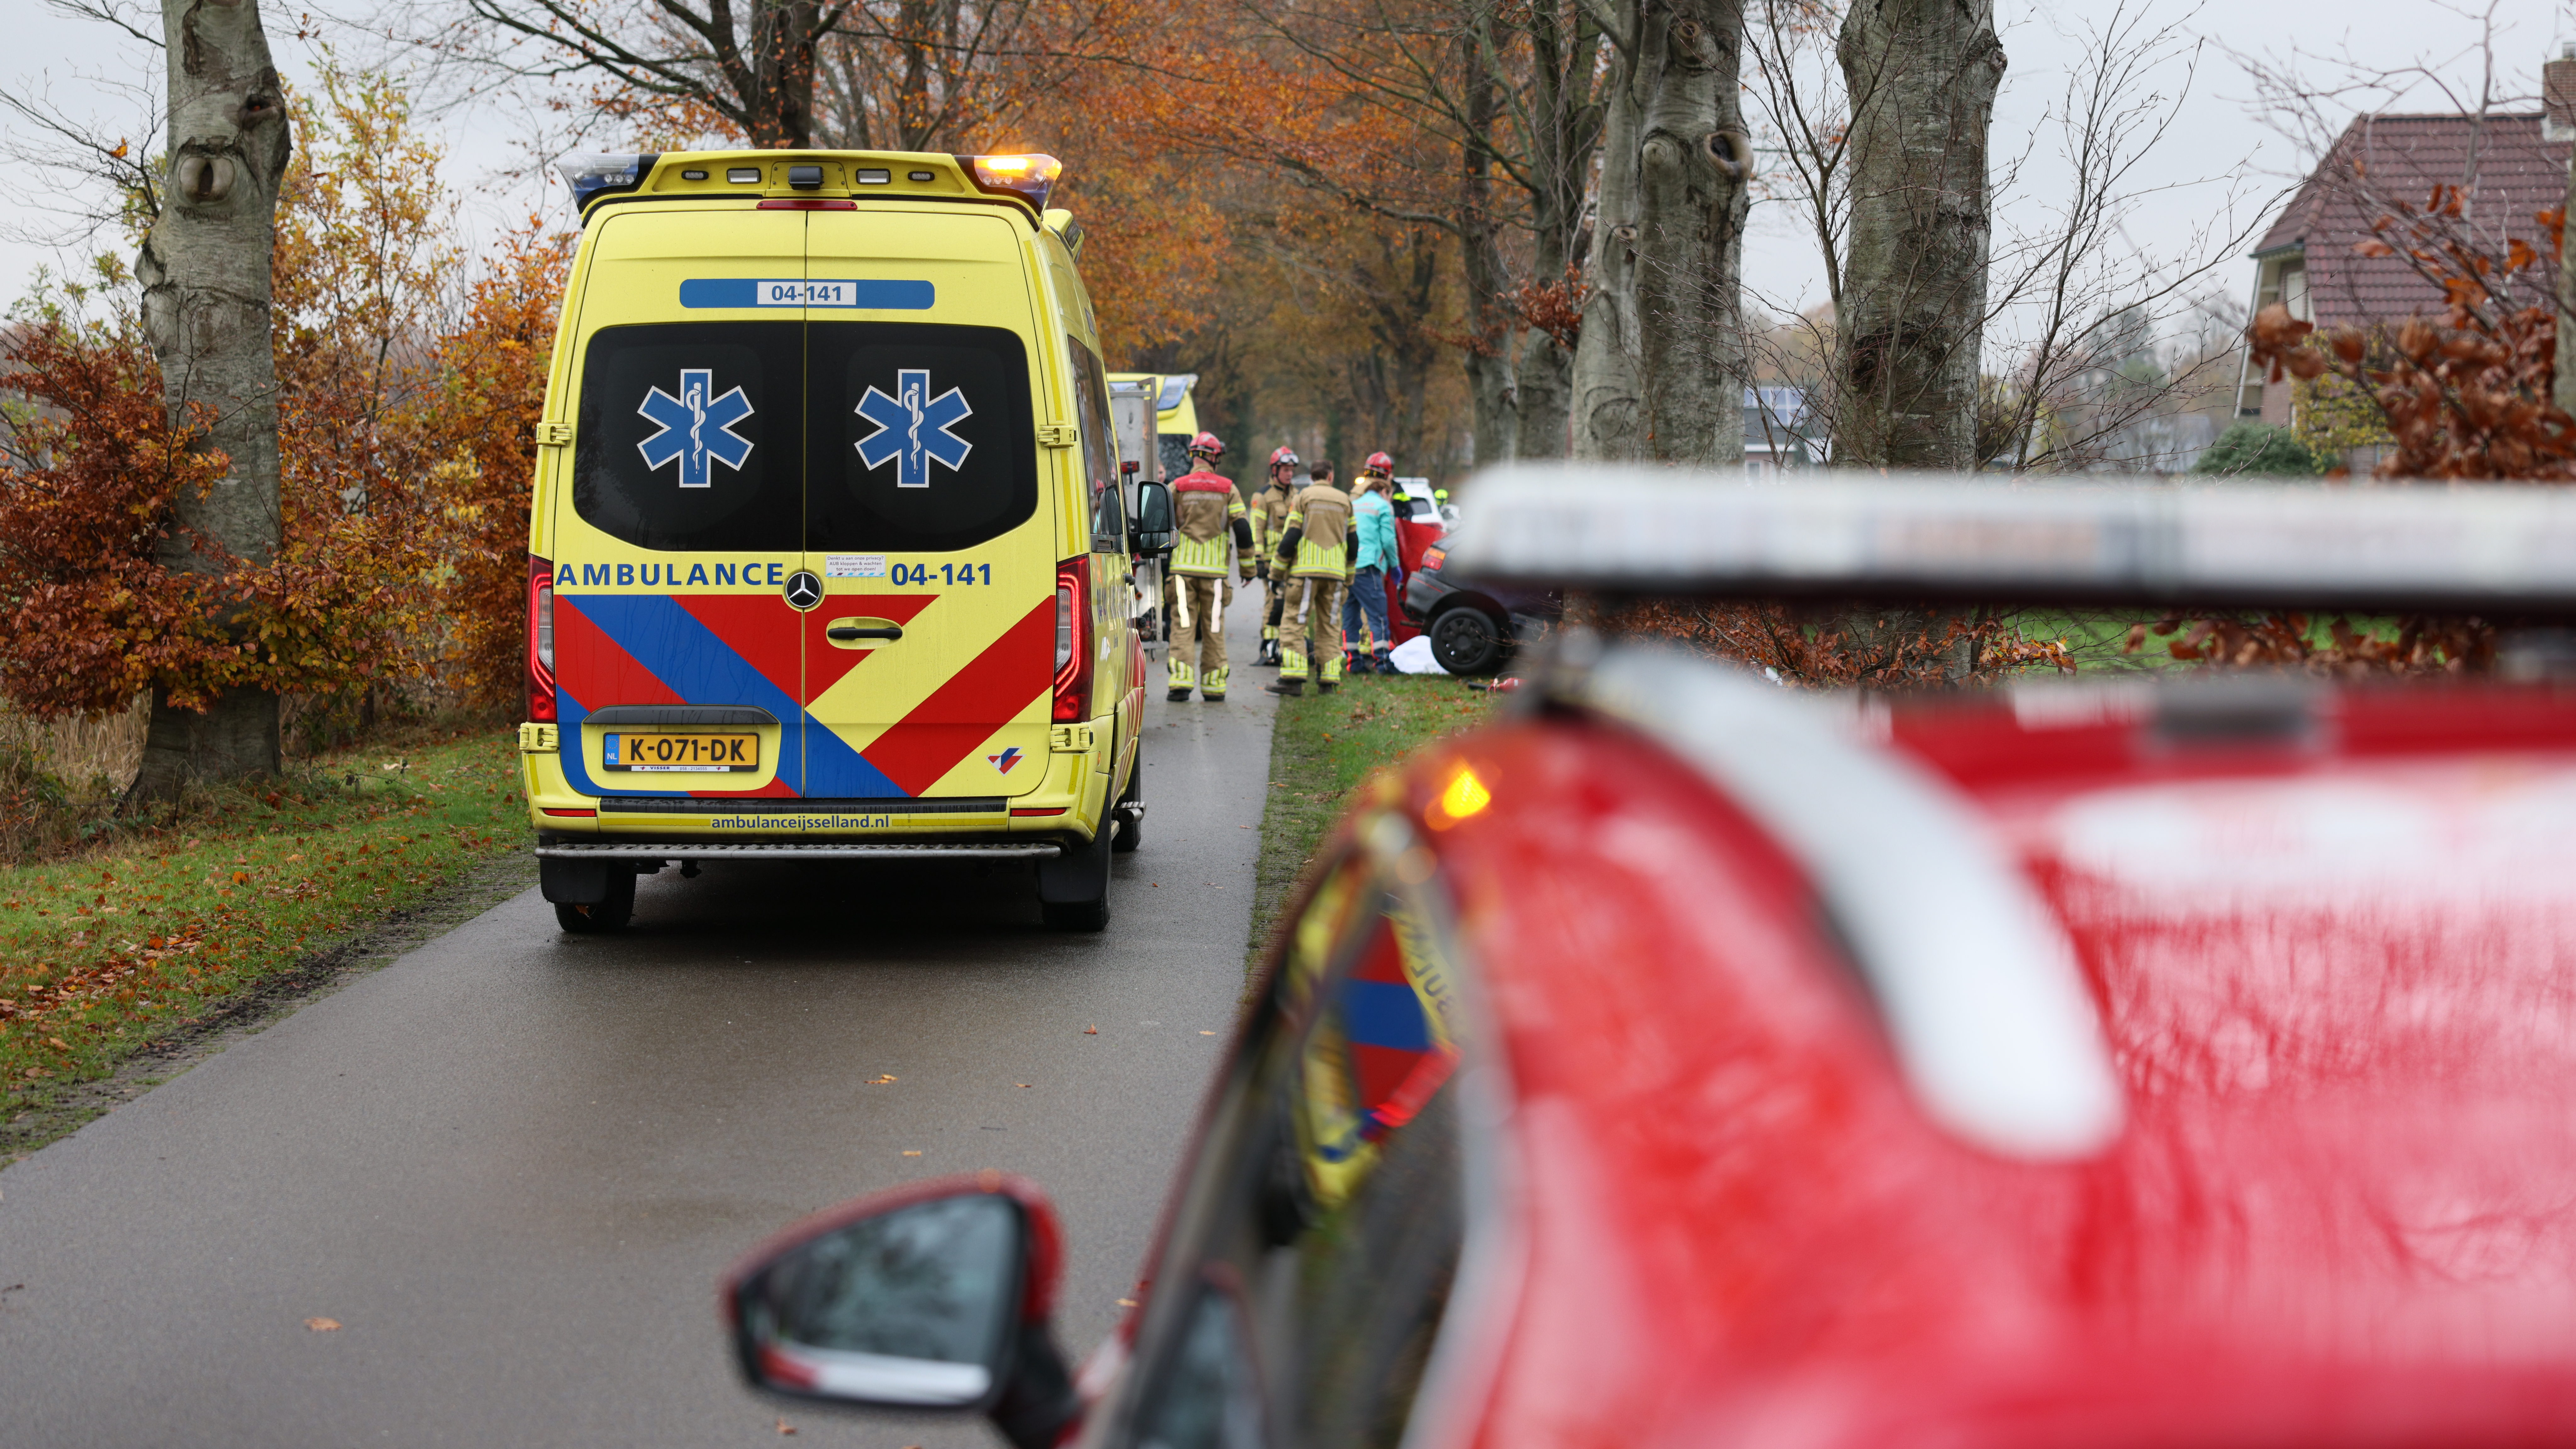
1269,521
1206,509
1314,556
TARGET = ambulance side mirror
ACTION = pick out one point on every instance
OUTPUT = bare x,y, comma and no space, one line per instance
1152,536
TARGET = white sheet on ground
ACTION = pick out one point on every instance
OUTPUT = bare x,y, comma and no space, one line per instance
1413,656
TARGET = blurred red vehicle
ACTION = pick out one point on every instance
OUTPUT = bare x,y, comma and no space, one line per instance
1689,1061
1418,526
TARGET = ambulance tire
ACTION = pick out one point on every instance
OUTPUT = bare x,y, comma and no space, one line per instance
609,915
1073,888
1131,828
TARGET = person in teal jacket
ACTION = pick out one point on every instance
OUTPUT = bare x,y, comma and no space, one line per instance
1374,559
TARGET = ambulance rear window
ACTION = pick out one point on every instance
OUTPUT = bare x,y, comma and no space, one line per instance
921,438
687,435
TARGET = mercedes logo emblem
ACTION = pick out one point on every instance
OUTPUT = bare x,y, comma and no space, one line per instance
804,590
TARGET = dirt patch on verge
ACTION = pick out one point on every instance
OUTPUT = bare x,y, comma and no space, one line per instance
270,997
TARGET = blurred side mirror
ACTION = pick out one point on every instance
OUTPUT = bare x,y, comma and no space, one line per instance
932,1296
1153,535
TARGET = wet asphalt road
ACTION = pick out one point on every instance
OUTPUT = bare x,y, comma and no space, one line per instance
512,1164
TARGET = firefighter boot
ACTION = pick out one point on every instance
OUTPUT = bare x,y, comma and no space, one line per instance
1292,669
1212,685
1179,676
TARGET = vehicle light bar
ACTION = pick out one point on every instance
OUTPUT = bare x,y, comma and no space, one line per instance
1029,178
592,176
2401,547
1976,980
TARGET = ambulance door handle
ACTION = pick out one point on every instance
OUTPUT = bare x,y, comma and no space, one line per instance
852,631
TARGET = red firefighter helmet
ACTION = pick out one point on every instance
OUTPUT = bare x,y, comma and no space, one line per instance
1207,444
1379,463
1283,457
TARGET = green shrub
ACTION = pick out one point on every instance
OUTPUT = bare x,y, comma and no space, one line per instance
2257,450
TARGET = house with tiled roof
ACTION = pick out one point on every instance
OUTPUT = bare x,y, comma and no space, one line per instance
2508,167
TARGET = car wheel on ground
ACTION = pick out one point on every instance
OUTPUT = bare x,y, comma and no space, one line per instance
1466,640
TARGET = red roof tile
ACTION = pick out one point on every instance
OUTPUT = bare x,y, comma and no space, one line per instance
2508,170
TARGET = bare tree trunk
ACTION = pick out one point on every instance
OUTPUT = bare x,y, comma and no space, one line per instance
1693,162
1922,76
782,58
1490,400
205,276
1542,393
1608,421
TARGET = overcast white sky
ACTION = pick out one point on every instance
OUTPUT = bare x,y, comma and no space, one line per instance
2214,135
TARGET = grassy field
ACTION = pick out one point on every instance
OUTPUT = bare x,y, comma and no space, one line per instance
1323,747
102,955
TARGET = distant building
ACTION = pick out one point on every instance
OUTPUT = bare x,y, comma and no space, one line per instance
1778,434
2508,167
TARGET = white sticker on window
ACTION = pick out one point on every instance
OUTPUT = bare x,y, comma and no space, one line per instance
854,565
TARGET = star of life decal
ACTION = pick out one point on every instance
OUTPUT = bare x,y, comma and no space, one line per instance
914,428
695,430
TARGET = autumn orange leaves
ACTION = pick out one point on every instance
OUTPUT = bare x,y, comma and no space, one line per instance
2465,395
407,381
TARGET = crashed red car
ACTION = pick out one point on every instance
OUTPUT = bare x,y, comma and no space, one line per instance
1688,1061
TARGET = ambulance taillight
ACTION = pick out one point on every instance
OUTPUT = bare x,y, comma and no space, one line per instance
1073,640
541,640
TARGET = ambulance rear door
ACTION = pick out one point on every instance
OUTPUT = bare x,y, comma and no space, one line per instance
929,513
677,653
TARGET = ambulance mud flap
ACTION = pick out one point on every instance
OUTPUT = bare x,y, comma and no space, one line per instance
1073,888
576,882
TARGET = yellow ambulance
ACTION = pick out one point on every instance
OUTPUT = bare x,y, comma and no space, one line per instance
827,555
1176,413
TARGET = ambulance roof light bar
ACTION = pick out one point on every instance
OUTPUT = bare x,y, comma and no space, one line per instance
1028,178
2489,549
592,175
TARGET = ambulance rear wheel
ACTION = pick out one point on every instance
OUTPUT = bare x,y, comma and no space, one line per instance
611,914
1131,827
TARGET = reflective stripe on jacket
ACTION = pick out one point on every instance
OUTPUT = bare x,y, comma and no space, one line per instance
1204,504
1270,518
1320,522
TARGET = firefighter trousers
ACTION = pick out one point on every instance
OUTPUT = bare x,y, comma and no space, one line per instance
1198,635
1314,610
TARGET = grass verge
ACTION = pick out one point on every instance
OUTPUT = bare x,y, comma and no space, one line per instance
1322,748
142,944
